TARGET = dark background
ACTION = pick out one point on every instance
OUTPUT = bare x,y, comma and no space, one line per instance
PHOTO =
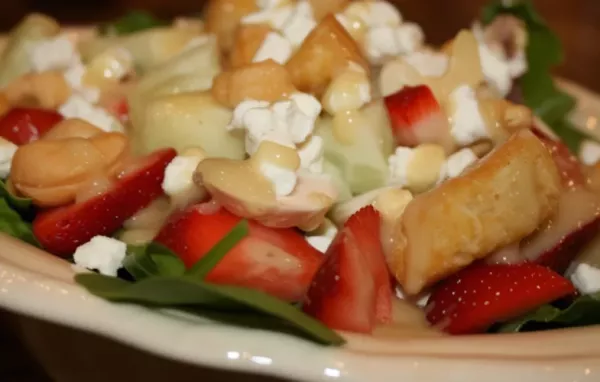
575,21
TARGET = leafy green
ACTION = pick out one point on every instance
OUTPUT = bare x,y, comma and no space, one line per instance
584,311
189,293
152,260
544,51
21,204
11,223
202,268
134,21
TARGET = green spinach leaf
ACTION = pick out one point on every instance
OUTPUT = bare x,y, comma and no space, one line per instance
11,223
584,311
203,267
20,204
189,293
134,21
152,260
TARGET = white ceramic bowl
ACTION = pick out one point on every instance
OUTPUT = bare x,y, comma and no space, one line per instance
78,337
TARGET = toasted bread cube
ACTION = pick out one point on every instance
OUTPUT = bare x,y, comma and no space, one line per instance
222,18
503,199
325,52
248,39
264,81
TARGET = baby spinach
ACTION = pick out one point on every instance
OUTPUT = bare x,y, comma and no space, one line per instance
161,281
585,310
13,224
20,204
134,21
189,293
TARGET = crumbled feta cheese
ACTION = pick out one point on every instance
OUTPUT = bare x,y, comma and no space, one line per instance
467,123
74,77
322,238
398,165
311,154
517,66
383,13
275,47
284,180
102,253
277,18
586,278
57,53
384,42
589,153
7,151
78,107
457,163
299,27
495,70
261,124
237,122
429,64
179,175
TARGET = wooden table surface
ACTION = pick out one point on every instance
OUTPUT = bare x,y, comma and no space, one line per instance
575,21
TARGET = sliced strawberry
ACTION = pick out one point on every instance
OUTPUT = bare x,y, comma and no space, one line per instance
476,297
274,260
23,125
416,117
352,291
570,168
61,230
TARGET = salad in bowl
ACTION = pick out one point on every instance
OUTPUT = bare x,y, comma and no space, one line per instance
307,167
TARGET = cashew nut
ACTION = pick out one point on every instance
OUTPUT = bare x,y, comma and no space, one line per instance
48,90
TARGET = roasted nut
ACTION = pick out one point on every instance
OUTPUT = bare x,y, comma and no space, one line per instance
53,171
265,81
72,128
325,52
48,90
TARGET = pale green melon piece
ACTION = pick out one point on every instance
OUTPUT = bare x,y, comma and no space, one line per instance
187,120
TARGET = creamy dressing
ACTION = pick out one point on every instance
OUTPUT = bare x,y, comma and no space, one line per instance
577,207
408,321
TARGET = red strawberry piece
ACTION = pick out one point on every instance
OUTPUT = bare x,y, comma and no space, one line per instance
278,261
24,125
61,230
476,297
569,167
416,117
352,291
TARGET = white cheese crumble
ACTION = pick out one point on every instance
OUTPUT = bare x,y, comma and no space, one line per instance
276,18
420,300
322,238
383,13
589,153
7,151
301,23
102,253
284,180
57,53
457,163
467,123
60,53
495,70
179,175
288,123
78,107
311,154
274,47
398,165
585,278
429,64
383,42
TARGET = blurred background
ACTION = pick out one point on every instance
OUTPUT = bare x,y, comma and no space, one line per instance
575,21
